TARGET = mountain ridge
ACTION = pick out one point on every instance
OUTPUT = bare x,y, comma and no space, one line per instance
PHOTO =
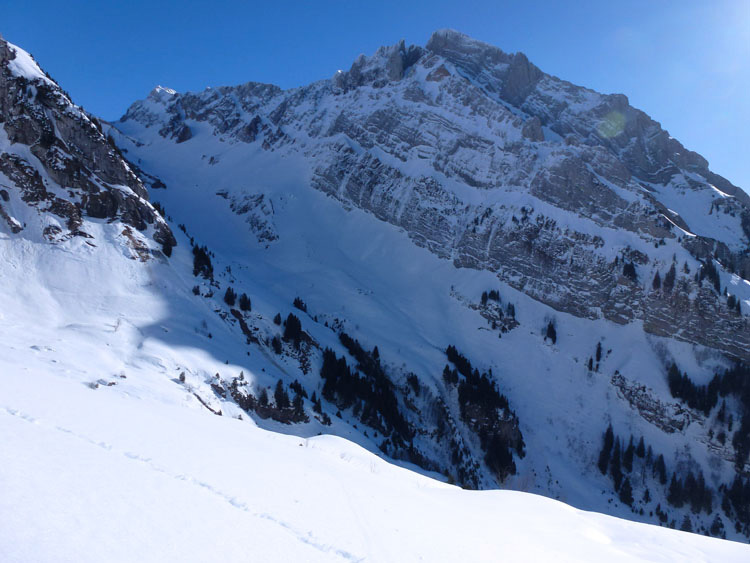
413,264
602,160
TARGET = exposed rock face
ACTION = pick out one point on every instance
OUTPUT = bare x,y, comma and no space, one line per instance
57,159
489,162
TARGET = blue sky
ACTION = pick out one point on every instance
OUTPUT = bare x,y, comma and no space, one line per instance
686,63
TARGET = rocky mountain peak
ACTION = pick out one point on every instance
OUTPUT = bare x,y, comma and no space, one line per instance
161,93
388,64
56,159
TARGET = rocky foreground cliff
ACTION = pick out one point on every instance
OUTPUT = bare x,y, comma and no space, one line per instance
56,160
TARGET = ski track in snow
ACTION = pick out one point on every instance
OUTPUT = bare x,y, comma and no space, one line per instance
305,537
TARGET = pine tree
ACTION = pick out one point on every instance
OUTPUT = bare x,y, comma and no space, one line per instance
660,469
280,396
675,494
717,527
626,492
598,352
277,319
640,450
317,407
551,332
669,278
293,330
628,270
245,304
230,297
604,455
299,409
299,304
263,397
615,468
627,458
657,282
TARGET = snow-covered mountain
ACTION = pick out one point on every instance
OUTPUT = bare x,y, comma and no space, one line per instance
443,255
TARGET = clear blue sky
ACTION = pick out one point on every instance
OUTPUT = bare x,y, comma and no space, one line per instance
686,63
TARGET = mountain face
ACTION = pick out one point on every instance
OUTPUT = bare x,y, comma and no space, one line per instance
487,161
445,255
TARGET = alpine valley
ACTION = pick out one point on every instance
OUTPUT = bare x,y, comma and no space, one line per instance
377,318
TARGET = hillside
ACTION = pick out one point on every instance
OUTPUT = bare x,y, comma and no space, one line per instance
381,263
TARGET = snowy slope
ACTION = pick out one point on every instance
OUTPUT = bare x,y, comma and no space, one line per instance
107,456
243,187
119,357
127,473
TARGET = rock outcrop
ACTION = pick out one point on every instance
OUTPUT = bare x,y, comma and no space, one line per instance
57,159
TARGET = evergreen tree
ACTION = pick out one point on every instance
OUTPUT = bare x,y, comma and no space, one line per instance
687,525
598,352
299,409
660,469
669,278
627,458
245,304
299,304
230,297
202,263
628,270
293,330
604,455
263,397
708,270
717,527
317,407
551,332
280,396
626,492
277,319
640,450
675,495
657,282
615,468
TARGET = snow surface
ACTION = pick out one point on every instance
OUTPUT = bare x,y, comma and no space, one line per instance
115,474
25,66
108,457
389,293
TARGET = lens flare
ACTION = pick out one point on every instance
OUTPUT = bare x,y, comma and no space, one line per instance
612,125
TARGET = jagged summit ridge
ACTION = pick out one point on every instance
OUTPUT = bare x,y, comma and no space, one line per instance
489,162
